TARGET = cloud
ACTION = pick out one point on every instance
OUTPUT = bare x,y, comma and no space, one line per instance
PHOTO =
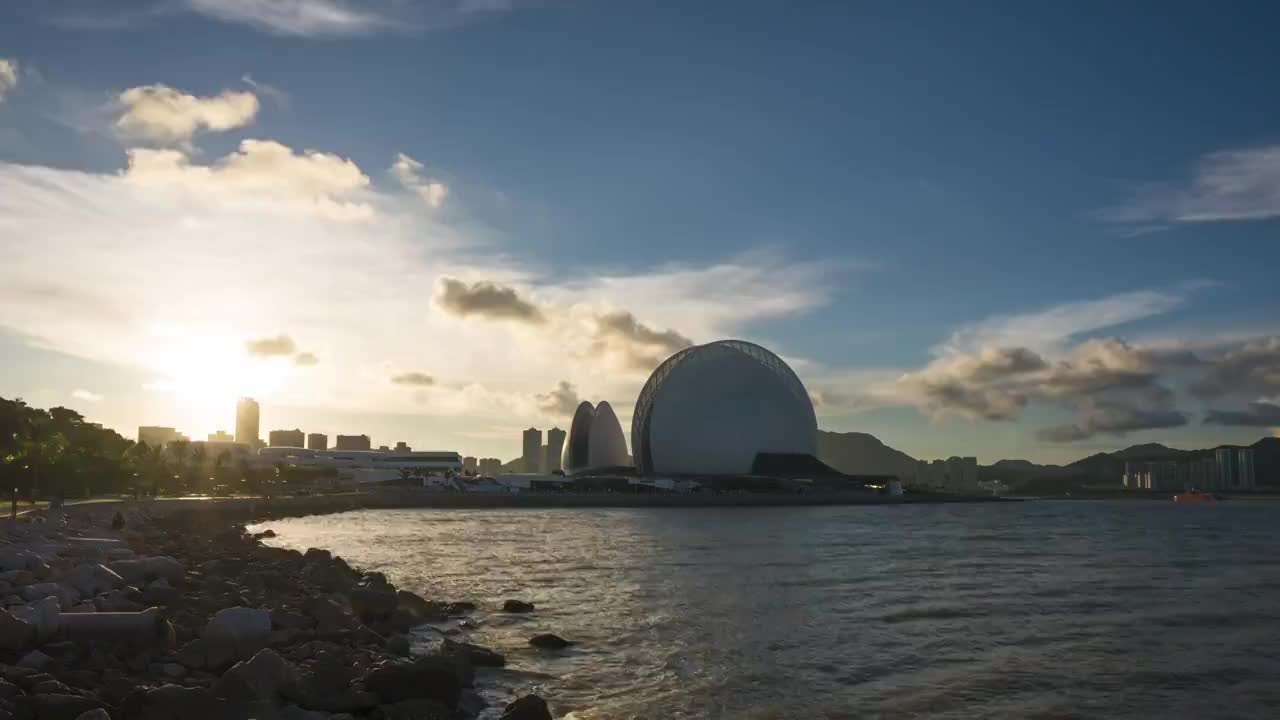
1229,185
1258,414
306,359
261,172
86,395
561,401
409,172
294,17
162,114
271,347
417,379
641,346
265,90
8,76
1251,368
485,299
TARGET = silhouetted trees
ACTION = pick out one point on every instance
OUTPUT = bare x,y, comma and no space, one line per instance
55,453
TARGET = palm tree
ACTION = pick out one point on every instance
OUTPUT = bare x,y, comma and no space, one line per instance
38,444
199,458
181,450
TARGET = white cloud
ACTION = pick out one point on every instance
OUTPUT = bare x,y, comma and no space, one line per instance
266,90
409,172
1228,185
294,17
86,395
8,76
162,114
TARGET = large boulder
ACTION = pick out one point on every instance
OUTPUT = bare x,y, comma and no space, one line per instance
56,706
174,702
15,633
331,612
372,604
517,606
145,570
417,709
235,633
434,678
474,654
91,580
266,677
528,707
549,641
66,595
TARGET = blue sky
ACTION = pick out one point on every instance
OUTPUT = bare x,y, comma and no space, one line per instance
881,193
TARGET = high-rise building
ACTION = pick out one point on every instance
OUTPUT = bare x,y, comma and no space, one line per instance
402,446
157,436
555,448
247,421
470,464
286,438
532,454
221,436
490,466
351,442
317,441
1236,469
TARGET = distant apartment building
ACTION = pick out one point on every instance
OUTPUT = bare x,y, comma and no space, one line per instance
532,454
384,448
402,446
955,474
470,465
554,449
157,436
221,436
352,442
490,466
317,441
247,422
1228,469
286,438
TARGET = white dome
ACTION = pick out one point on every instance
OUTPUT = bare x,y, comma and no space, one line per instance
608,446
577,446
710,409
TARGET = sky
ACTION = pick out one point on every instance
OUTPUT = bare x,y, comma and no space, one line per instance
1010,230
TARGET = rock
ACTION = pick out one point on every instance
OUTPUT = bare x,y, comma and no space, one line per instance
474,654
417,709
8,690
364,635
115,687
371,605
529,707
460,607
432,678
118,601
83,607
549,641
51,687
85,679
192,655
15,633
266,677
268,533
517,606
398,645
44,615
35,660
94,714
149,568
57,706
287,620
17,577
174,670
316,555
66,595
160,592
331,612
174,702
92,580
235,633
349,701
293,712
12,559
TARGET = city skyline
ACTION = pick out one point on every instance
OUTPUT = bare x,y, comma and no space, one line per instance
1004,231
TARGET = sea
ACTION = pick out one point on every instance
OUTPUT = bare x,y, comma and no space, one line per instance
1038,609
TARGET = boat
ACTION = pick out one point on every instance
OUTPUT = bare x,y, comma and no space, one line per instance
1194,496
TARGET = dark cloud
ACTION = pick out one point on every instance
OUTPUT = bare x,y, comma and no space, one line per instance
486,299
305,359
563,400
271,347
1259,414
415,379
1251,368
1113,419
642,347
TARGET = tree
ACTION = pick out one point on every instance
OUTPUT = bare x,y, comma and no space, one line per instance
36,446
199,460
181,450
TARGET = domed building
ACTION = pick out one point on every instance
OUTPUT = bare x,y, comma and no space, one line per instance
595,439
714,409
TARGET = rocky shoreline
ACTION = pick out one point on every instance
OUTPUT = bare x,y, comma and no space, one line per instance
182,615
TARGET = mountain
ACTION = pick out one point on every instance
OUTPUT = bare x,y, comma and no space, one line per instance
856,453
1151,451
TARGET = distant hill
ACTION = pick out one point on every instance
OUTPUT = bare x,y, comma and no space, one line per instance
856,453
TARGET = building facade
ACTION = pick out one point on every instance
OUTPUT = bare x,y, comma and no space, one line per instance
532,455
470,465
247,422
555,448
490,466
317,441
403,447
286,438
352,442
221,437
1236,468
157,436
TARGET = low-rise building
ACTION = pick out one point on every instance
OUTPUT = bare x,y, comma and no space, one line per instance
286,438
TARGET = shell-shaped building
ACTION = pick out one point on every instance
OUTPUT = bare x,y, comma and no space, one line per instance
711,409
595,439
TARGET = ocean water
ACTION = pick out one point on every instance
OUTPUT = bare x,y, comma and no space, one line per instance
1013,610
